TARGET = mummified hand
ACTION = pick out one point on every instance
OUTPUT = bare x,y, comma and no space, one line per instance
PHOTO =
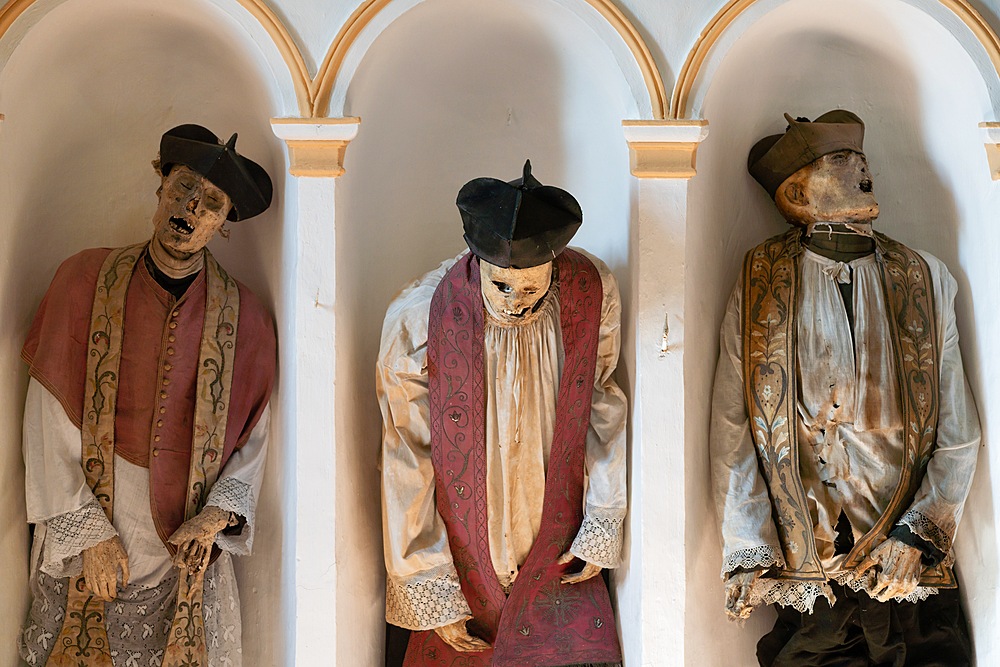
589,570
195,537
738,587
100,568
899,569
457,636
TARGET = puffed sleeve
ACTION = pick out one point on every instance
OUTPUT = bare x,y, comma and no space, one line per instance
937,507
422,586
599,540
749,537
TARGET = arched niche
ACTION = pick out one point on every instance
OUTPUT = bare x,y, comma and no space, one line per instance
340,65
440,106
922,96
86,90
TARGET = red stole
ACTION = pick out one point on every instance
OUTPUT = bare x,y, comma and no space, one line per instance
543,622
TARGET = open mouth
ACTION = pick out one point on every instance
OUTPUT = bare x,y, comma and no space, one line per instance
516,313
180,225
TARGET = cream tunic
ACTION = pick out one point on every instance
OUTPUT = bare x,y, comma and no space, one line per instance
850,431
523,363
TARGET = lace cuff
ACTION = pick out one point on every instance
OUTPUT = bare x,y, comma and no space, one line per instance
232,495
756,558
67,535
425,603
799,595
599,540
921,526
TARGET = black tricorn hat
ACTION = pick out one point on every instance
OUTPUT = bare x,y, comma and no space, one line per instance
519,224
245,181
775,158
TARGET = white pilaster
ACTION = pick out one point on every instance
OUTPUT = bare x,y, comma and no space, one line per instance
308,372
663,161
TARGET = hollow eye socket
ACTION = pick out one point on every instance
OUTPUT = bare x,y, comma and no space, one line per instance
503,287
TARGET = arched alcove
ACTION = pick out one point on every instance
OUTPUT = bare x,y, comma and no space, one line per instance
439,107
87,89
922,96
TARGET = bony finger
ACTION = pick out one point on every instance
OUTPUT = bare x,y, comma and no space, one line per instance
565,558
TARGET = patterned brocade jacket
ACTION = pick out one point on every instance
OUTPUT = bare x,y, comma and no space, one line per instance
822,421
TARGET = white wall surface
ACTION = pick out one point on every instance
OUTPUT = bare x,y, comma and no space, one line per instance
450,91
902,73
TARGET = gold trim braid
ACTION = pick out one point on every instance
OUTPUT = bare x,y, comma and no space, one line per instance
770,301
83,639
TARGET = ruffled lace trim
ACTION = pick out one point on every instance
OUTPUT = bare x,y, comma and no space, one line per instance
599,540
929,531
865,582
67,535
800,595
232,495
426,603
755,558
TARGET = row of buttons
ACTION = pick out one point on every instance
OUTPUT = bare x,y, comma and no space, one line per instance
167,367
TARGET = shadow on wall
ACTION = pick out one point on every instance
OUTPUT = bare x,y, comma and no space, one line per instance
440,107
86,95
805,59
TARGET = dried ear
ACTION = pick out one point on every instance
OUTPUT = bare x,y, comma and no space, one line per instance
796,194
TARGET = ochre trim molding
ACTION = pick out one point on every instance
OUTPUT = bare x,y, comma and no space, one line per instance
680,101
991,140
664,148
268,20
316,146
332,65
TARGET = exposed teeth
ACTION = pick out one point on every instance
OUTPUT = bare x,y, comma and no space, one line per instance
180,225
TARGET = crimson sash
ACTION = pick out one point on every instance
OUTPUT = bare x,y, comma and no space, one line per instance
543,622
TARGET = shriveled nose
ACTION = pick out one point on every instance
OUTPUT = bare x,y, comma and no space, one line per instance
192,204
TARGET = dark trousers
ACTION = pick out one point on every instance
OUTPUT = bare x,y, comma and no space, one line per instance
861,632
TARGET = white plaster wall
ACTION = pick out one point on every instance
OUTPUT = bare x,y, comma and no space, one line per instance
921,98
439,107
86,96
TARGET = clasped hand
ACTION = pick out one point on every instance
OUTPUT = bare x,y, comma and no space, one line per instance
899,569
457,636
195,537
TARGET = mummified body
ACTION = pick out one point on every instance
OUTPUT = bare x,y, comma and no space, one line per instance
844,435
145,430
495,382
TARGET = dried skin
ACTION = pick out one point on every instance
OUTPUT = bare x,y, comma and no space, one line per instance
101,563
195,537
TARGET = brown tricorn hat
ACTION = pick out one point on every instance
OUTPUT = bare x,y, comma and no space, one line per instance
518,224
775,158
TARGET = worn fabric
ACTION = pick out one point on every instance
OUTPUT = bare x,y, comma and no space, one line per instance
849,426
158,368
858,631
138,621
519,409
540,621
153,431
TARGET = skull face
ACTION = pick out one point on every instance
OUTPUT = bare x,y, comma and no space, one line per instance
511,294
190,212
836,187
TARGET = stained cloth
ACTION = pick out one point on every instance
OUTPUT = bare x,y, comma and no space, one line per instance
523,366
69,519
849,426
